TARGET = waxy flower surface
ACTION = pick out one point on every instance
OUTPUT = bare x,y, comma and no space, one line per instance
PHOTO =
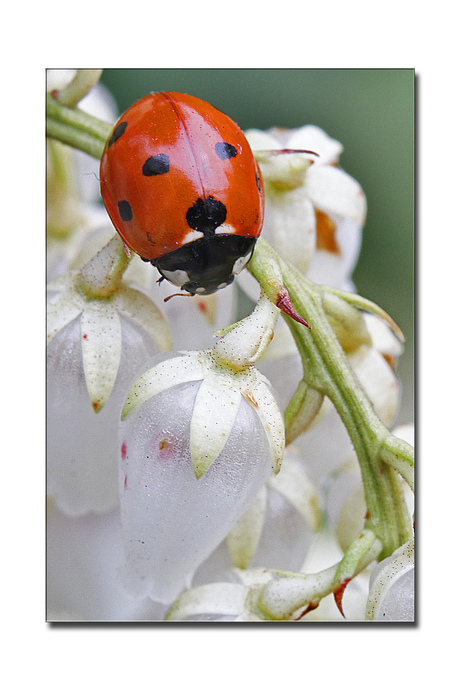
200,433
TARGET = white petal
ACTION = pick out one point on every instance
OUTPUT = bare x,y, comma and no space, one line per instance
101,348
145,313
296,487
61,310
315,139
334,191
167,373
335,269
214,414
58,78
261,141
243,539
192,321
223,598
292,226
391,594
379,381
383,338
260,396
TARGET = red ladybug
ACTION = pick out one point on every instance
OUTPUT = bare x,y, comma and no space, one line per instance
182,188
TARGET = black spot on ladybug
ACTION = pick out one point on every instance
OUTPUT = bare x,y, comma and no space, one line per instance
258,182
156,165
206,215
225,150
125,210
117,132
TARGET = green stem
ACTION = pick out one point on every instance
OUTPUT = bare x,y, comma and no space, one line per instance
81,84
282,597
326,369
75,128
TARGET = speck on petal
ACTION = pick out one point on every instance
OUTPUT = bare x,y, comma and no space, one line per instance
101,348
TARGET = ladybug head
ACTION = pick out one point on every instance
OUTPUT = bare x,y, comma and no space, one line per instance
206,264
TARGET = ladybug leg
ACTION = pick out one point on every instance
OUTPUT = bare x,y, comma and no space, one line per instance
178,294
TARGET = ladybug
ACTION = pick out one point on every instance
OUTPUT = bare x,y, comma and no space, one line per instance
183,190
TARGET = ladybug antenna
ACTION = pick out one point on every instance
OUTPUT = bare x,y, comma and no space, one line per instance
277,152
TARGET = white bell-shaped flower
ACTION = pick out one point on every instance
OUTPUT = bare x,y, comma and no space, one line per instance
82,558
314,210
392,587
96,345
201,432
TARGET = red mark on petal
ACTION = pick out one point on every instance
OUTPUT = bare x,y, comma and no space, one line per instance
165,449
338,594
250,398
125,482
96,406
311,607
284,303
85,336
202,306
123,451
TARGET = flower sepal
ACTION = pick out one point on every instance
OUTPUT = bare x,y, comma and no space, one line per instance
98,294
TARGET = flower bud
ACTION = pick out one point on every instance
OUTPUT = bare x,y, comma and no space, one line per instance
82,447
391,587
100,333
171,520
308,199
199,434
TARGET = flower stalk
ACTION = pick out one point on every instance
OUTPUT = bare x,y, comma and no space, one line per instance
101,276
326,371
78,87
75,128
283,597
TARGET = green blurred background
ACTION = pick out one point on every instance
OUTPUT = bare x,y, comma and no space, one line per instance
371,112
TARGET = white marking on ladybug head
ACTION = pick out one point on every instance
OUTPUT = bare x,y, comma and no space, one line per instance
240,263
222,285
225,229
200,289
178,277
192,236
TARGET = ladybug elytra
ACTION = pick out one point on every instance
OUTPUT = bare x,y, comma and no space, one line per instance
183,190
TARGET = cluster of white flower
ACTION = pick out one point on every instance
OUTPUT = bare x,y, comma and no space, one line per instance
171,492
